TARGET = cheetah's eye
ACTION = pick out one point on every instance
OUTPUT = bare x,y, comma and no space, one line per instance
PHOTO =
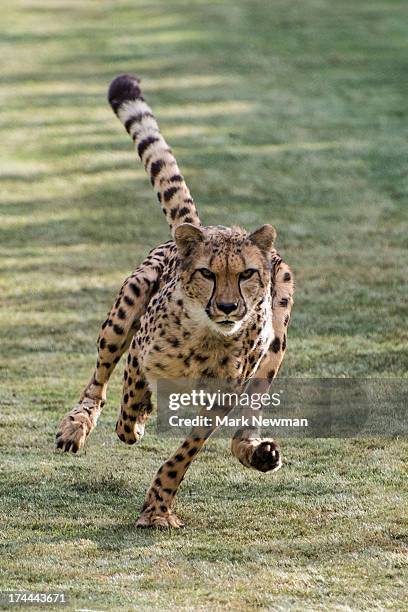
206,273
247,273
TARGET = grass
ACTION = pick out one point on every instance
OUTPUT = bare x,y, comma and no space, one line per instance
288,112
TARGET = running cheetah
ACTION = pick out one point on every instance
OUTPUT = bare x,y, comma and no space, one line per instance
213,302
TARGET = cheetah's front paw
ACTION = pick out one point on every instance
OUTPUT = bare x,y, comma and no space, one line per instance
76,426
159,517
266,456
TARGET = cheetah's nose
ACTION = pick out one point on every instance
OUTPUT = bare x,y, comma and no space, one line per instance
227,308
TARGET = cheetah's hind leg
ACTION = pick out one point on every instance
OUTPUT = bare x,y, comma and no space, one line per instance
136,406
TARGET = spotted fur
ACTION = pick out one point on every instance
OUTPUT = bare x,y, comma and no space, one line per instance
213,302
156,156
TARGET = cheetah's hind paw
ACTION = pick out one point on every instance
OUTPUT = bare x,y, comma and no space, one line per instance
76,426
151,518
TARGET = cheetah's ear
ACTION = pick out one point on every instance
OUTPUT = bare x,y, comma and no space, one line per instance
264,237
186,237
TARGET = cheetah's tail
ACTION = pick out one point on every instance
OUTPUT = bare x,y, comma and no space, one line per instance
127,102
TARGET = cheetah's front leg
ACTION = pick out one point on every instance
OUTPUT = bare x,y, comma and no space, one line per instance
247,446
252,451
114,338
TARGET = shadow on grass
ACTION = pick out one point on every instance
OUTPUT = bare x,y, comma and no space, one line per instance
104,510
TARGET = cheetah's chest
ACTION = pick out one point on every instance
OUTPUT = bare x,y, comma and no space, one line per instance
170,352
174,345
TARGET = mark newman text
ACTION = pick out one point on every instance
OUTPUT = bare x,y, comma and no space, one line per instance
242,421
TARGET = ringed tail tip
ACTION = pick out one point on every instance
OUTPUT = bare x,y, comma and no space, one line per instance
123,88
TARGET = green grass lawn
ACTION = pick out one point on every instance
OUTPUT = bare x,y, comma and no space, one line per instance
288,112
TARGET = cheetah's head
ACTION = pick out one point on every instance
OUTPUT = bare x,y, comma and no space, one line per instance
225,272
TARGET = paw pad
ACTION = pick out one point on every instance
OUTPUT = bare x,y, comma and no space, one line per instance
266,457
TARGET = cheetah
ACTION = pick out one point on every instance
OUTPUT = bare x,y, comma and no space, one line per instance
212,302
